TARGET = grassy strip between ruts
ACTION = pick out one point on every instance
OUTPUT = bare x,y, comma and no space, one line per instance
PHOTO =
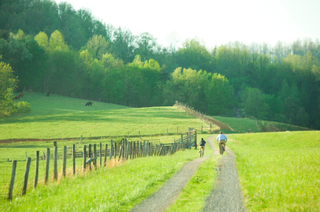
194,195
107,189
279,171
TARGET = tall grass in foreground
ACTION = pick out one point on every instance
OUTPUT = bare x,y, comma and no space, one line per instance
193,196
279,171
107,189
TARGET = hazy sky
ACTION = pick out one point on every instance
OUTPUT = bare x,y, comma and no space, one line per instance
212,22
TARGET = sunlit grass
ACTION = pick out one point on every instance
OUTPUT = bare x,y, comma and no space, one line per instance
61,117
107,189
243,125
279,171
193,196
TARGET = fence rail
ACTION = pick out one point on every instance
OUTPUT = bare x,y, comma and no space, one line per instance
190,110
90,157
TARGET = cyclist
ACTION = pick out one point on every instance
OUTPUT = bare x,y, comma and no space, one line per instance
222,139
202,147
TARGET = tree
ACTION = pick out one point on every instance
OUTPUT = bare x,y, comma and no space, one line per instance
42,39
98,46
7,85
56,42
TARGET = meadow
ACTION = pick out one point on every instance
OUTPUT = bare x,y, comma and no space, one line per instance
279,171
63,117
244,125
107,189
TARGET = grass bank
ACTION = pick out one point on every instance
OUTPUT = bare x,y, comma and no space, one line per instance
193,196
279,171
243,125
107,189
63,117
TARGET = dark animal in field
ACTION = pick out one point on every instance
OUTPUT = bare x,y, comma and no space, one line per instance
48,94
88,104
21,95
16,97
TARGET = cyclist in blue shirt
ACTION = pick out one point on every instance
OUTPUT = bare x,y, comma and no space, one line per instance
221,139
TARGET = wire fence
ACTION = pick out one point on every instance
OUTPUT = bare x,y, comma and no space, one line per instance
78,159
207,119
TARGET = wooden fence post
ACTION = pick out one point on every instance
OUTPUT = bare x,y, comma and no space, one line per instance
64,164
134,150
195,139
13,174
37,170
105,155
55,161
100,154
89,155
84,158
95,156
115,150
25,177
47,166
111,150
73,159
120,152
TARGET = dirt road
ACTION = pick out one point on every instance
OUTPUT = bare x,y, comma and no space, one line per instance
167,194
227,195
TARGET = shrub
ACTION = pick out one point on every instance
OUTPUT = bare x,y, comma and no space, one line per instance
21,107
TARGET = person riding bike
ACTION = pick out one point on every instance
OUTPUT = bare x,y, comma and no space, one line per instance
202,147
222,139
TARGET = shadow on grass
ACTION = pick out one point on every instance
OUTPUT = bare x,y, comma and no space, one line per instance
100,116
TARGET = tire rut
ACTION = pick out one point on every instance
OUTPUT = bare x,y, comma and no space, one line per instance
168,193
226,196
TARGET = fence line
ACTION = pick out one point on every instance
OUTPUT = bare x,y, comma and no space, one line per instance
202,116
67,157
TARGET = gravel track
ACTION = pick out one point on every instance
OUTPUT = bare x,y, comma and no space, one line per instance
226,196
167,194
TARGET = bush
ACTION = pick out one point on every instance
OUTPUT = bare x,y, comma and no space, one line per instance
21,107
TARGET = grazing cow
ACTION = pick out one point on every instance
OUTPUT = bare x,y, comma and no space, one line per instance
21,95
48,94
16,97
88,104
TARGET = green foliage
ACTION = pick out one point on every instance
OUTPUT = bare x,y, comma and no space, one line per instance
7,84
253,71
278,171
206,91
21,107
126,185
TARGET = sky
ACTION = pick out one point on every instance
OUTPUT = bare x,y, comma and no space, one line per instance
212,22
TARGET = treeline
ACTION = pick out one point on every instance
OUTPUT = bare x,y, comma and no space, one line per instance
103,63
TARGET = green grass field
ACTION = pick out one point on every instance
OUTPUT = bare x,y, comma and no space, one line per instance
107,189
243,125
62,117
279,171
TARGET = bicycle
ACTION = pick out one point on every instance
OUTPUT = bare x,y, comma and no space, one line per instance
201,151
222,148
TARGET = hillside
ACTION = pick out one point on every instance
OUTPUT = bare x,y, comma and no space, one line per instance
64,117
243,125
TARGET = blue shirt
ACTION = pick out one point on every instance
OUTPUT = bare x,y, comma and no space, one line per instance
221,137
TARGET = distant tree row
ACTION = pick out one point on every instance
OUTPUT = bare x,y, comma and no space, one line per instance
68,52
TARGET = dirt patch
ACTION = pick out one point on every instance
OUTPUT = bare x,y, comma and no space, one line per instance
168,193
226,196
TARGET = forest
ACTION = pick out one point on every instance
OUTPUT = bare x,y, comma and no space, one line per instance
46,47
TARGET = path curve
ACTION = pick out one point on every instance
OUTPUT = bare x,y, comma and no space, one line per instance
167,194
226,196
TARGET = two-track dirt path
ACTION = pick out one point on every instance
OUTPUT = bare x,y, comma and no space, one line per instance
168,193
227,194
